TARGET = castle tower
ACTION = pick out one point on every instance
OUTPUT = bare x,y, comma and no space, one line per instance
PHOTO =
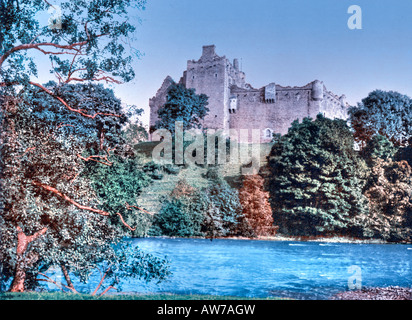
209,76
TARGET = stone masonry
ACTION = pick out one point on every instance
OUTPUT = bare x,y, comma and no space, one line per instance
235,104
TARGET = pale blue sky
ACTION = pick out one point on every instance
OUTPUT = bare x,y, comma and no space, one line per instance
290,42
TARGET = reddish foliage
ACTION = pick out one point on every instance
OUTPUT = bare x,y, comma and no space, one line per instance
256,206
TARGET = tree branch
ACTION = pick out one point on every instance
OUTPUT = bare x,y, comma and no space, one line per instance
38,46
93,158
48,279
107,289
63,196
124,222
78,205
70,108
101,282
129,207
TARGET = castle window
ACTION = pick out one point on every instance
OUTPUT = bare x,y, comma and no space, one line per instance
268,133
215,75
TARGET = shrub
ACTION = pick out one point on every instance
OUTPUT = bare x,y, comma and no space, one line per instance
181,214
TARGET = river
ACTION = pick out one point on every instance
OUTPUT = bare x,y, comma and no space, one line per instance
252,268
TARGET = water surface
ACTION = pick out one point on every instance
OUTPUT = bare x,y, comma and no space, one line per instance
248,268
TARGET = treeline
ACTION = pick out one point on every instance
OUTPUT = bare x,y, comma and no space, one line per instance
323,178
321,186
217,210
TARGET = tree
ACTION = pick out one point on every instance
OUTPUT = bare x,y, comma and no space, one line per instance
389,193
48,165
87,43
181,214
379,147
135,133
50,209
182,105
316,179
256,206
223,210
385,113
405,153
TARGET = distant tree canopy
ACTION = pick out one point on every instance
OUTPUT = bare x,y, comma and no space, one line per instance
385,113
316,179
182,105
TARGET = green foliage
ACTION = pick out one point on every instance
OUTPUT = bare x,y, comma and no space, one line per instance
181,214
405,153
224,216
385,113
117,186
63,154
379,147
47,183
92,32
316,179
213,211
135,132
179,217
130,262
182,105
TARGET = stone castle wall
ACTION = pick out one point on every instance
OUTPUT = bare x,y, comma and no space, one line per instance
234,104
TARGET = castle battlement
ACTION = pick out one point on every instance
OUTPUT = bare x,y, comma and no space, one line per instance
235,104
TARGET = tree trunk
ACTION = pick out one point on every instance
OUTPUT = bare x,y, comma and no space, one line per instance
19,278
67,277
20,273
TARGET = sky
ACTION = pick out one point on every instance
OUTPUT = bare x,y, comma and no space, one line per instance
289,42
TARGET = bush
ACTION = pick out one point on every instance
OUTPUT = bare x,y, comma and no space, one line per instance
224,215
181,214
177,218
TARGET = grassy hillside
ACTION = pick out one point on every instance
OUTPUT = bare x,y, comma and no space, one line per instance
193,174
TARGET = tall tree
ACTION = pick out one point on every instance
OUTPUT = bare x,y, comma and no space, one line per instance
52,183
51,212
184,105
385,113
84,42
316,179
389,192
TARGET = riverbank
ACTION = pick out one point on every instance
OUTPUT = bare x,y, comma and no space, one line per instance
33,295
335,239
389,293
281,238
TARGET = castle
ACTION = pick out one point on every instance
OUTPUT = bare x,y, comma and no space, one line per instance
235,104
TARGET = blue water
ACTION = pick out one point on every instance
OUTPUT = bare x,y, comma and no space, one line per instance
301,270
